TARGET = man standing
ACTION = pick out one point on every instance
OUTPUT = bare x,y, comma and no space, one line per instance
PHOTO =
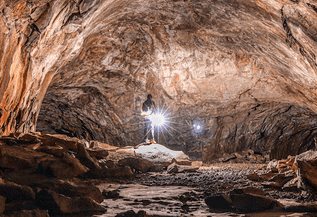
148,108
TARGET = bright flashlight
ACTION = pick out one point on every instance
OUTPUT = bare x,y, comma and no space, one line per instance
158,119
198,126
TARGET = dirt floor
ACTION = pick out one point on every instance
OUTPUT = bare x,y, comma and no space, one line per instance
182,194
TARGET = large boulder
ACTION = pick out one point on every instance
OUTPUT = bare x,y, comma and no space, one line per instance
158,153
307,169
140,164
242,200
66,167
253,203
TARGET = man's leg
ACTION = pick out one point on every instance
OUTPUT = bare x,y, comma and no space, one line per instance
147,129
152,133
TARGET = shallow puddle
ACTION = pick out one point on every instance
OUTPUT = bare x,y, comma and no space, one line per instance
166,201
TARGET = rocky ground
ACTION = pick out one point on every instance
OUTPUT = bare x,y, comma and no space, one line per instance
55,175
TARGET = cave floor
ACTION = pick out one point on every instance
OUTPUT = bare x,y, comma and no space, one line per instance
182,194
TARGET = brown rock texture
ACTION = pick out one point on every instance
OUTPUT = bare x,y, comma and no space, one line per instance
243,69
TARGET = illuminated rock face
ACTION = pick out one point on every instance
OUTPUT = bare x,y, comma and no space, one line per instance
245,70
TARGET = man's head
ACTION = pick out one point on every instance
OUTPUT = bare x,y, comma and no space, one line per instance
149,96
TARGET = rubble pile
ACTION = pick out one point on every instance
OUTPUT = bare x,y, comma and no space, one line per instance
294,173
44,175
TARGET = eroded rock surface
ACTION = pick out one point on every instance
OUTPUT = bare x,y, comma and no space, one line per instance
244,70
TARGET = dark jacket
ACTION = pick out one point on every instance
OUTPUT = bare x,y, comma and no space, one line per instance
148,105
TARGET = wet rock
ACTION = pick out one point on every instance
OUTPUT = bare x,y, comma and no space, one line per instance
65,167
13,191
59,204
140,164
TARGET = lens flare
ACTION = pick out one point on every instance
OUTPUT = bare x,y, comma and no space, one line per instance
158,119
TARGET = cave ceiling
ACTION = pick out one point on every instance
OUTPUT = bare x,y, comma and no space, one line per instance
245,70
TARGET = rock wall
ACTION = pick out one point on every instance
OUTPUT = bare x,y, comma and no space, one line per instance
245,70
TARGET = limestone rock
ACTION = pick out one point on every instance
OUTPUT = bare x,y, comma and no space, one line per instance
158,153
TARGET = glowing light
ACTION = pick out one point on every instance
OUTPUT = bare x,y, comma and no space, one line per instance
158,119
198,126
